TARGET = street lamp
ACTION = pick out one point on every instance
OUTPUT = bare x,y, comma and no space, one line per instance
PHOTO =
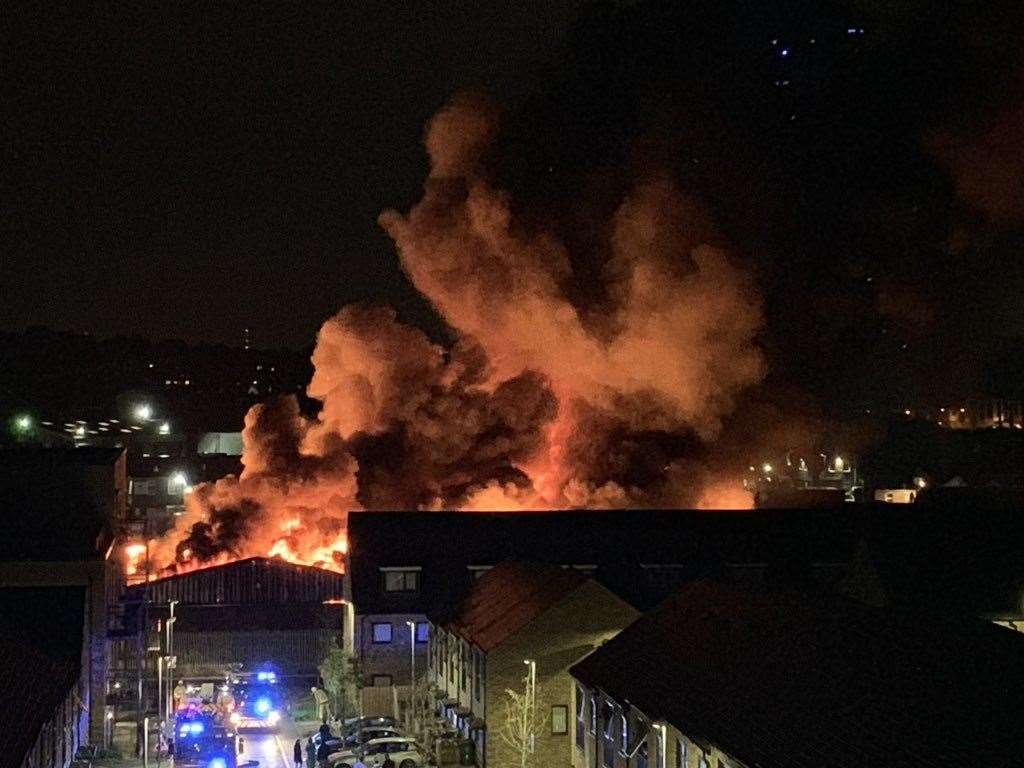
143,412
412,671
529,713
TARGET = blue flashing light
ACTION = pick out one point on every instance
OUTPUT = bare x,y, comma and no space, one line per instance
217,762
262,705
267,677
193,728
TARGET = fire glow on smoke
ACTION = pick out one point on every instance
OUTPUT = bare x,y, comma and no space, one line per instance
543,401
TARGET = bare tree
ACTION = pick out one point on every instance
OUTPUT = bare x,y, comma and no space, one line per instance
521,725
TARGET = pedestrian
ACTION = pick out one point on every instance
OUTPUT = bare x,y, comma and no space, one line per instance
310,753
297,750
322,753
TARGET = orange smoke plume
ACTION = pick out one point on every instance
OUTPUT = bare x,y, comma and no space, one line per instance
545,400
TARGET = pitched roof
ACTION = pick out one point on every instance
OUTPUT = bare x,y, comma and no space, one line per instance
507,598
781,679
32,685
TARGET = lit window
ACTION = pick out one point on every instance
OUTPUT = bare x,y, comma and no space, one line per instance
680,753
382,632
401,579
422,632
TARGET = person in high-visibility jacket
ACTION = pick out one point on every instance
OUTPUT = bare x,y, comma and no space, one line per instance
179,694
323,709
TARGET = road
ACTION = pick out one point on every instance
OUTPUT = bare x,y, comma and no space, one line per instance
269,749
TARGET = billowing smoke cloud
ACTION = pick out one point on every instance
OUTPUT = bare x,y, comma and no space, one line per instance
543,400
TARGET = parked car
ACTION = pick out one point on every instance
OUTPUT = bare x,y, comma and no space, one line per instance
371,722
348,745
403,751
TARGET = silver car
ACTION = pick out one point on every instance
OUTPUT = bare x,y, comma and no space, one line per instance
403,751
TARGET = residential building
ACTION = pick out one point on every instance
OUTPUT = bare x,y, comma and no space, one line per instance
40,704
404,566
58,579
725,677
520,622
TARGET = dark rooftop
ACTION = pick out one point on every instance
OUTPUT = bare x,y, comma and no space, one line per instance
51,619
32,685
783,679
507,598
621,543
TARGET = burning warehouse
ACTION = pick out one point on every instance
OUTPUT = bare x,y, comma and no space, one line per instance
245,612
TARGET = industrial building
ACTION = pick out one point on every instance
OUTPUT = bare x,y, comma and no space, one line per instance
242,614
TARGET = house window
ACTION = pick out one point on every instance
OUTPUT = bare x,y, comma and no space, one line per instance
422,632
401,579
624,734
381,681
478,675
641,756
464,664
476,571
451,659
581,705
593,715
680,753
559,719
382,632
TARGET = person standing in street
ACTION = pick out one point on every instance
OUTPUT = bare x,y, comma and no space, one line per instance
310,753
297,753
322,753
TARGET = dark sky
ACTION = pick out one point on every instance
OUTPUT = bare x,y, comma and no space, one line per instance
189,173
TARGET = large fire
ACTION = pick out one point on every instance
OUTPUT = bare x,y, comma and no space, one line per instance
605,388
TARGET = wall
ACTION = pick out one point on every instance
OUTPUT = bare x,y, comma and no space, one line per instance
62,734
662,744
389,658
558,638
94,575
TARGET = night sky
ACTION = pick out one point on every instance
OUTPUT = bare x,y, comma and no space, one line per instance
188,173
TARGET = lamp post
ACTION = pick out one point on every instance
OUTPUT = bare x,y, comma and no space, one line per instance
412,669
529,711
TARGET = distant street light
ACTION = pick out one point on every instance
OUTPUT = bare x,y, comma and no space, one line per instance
839,463
767,469
23,423
165,429
143,412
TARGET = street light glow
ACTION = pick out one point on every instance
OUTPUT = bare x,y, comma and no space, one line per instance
165,428
143,412
839,463
767,469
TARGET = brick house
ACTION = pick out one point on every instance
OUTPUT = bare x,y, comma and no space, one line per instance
516,612
724,677
404,566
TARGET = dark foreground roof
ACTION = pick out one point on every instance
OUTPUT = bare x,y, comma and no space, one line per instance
32,685
507,598
621,543
49,618
780,679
